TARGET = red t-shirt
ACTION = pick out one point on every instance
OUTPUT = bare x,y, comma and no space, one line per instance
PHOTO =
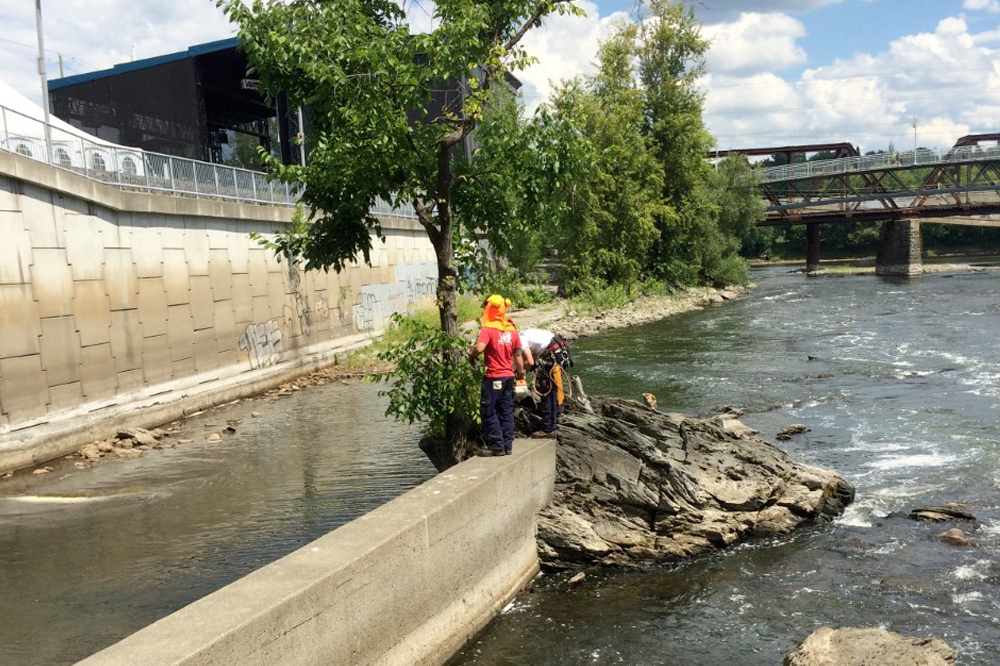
499,352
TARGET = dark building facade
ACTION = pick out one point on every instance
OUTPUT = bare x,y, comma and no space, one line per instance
185,104
191,103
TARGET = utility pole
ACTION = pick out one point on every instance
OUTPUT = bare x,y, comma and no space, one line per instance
914,140
45,83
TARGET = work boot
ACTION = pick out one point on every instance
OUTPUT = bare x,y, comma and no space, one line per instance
540,434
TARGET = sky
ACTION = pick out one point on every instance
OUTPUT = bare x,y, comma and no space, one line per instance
780,72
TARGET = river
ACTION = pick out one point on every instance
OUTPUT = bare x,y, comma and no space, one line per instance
88,557
900,396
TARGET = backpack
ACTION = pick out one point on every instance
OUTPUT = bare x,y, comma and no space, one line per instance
560,351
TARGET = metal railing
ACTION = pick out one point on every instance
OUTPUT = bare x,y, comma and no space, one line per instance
137,169
846,165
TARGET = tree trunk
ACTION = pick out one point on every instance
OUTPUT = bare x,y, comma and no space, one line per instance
455,445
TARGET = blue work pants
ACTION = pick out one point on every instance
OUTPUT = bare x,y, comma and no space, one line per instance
496,407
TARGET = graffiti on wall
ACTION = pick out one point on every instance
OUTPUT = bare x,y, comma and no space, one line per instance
420,279
378,302
262,343
300,304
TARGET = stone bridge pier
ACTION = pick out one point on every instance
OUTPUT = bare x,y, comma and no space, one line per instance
899,249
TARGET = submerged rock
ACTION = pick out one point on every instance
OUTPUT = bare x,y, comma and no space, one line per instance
868,647
955,537
940,514
634,486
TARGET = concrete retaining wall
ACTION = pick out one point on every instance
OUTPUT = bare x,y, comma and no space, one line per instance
407,584
122,307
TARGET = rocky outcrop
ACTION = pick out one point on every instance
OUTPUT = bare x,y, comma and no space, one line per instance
868,647
636,486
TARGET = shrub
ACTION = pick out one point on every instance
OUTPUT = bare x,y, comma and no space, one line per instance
423,387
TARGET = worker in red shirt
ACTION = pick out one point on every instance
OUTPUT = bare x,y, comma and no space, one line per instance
501,347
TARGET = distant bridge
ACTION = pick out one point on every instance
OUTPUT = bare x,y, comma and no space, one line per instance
957,186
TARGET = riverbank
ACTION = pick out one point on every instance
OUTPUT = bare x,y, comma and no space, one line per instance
560,317
944,263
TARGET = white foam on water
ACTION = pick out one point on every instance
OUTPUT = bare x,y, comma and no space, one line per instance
976,571
60,499
855,516
912,461
962,598
877,446
888,548
778,297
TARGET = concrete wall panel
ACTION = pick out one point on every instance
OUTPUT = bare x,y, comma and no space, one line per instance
52,282
65,396
121,279
8,195
23,383
98,374
176,279
202,303
126,340
60,346
156,360
42,220
92,312
85,247
20,324
153,305
180,332
15,250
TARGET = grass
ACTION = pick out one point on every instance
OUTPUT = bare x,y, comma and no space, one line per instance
366,358
612,297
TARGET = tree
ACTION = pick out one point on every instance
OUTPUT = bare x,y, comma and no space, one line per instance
391,111
735,195
691,247
614,195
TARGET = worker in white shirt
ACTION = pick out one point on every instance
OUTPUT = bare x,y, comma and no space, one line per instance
536,346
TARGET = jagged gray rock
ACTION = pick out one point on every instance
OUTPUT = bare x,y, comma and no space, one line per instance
868,647
635,486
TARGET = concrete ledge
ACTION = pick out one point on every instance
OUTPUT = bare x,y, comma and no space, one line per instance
407,584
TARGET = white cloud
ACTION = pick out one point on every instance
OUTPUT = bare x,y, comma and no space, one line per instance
565,46
755,43
97,35
988,5
948,80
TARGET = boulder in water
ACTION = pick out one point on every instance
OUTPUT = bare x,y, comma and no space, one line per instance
868,647
786,433
939,514
635,486
955,537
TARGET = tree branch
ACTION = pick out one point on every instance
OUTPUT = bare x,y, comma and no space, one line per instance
540,10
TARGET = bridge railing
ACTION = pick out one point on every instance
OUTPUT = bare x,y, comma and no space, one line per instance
919,157
137,169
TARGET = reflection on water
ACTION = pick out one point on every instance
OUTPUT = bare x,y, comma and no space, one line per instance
898,382
88,557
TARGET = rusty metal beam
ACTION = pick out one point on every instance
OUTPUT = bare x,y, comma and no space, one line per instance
842,149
